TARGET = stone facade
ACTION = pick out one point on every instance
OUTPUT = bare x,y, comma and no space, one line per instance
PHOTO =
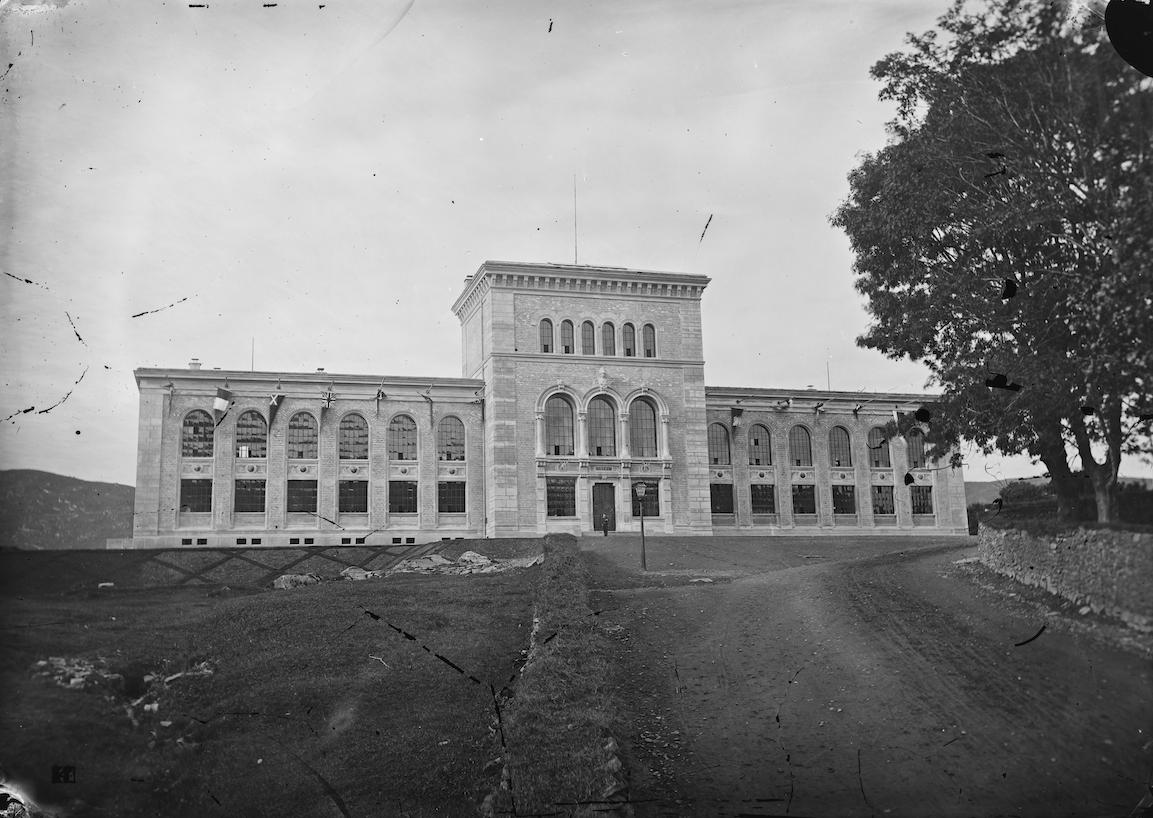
518,480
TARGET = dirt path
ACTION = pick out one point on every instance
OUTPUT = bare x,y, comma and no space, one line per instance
886,685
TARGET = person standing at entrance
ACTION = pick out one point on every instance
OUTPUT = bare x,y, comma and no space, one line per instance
605,523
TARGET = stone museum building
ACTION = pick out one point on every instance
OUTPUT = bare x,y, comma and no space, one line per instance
579,383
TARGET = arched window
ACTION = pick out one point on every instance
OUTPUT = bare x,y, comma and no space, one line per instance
602,428
800,447
643,429
353,438
302,437
196,434
567,344
251,435
629,340
760,446
450,439
402,438
649,335
916,442
588,338
608,339
840,453
558,426
545,335
878,449
719,445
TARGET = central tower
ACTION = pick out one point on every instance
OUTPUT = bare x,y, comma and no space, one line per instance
595,377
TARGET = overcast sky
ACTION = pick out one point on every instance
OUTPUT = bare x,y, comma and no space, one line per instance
321,178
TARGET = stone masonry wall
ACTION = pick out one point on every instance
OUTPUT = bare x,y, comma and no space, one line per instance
1110,571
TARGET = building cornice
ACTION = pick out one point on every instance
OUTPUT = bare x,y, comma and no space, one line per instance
724,397
578,279
345,385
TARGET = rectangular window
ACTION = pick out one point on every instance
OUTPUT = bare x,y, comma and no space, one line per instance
450,497
652,501
883,500
196,496
764,499
844,500
721,498
804,499
249,497
401,497
560,493
922,497
302,496
353,495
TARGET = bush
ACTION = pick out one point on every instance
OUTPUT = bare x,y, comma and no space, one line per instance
1022,492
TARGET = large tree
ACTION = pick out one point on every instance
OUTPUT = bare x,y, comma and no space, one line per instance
1007,230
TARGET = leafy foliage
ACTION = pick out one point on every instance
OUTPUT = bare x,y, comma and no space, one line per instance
1004,232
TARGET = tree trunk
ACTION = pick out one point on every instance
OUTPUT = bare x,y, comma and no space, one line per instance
1051,451
1102,475
1066,487
1105,493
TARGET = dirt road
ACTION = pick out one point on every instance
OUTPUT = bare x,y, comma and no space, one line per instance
832,680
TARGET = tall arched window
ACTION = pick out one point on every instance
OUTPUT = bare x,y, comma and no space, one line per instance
353,438
196,434
450,439
760,446
840,452
602,428
608,339
719,454
588,338
649,335
629,340
878,449
545,335
251,435
916,442
800,447
302,437
567,344
558,426
402,438
643,429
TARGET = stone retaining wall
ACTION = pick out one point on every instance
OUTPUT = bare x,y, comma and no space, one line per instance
1110,571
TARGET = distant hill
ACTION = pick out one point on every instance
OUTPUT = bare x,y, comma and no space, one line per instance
40,511
985,492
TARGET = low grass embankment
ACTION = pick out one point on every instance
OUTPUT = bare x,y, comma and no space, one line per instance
314,707
558,726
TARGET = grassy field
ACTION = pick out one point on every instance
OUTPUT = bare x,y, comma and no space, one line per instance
315,707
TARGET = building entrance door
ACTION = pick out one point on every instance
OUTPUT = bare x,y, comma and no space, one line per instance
604,502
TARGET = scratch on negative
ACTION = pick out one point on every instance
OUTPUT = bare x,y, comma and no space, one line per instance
73,323
26,281
21,412
67,395
173,304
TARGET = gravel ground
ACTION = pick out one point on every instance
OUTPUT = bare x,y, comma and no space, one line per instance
814,677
